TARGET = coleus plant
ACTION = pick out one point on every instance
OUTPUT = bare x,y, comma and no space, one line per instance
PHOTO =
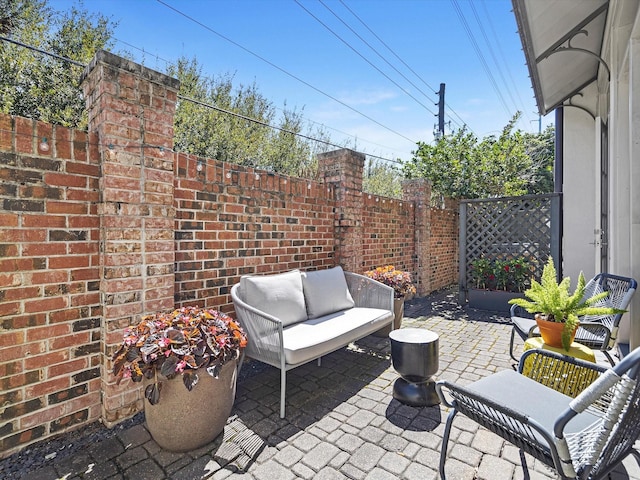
184,342
397,279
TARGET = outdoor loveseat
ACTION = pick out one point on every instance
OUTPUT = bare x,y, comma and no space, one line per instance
295,317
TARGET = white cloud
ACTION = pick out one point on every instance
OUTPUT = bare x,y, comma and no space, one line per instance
366,97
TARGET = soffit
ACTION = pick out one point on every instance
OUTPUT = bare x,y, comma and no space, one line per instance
562,41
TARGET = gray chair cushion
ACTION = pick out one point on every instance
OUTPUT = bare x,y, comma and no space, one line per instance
532,399
326,291
279,295
524,325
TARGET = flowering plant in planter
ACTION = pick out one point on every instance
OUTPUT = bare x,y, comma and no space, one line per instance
398,280
511,275
181,342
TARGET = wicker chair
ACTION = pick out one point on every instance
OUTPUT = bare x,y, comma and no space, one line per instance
580,438
598,333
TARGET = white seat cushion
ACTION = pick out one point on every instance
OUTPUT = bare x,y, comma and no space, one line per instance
326,291
316,337
279,295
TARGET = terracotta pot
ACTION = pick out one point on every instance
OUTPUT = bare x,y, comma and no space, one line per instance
551,332
184,420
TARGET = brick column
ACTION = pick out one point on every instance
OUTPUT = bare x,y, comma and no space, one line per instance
343,169
131,108
418,191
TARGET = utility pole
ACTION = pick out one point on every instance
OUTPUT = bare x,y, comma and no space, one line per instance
441,111
539,123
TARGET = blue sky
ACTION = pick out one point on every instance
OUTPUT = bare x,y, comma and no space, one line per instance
287,49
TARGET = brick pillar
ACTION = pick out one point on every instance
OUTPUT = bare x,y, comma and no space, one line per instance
131,108
343,169
418,191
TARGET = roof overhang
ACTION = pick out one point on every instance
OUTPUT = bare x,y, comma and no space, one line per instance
562,41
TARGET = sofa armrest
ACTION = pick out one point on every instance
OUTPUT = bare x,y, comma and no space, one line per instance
367,292
264,331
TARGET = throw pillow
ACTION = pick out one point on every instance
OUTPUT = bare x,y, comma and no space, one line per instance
279,295
326,291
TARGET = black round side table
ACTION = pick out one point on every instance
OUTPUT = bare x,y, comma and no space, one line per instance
414,354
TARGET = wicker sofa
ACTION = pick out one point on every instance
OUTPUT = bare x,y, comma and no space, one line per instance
295,317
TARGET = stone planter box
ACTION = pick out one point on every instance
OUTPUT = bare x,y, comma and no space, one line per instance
492,300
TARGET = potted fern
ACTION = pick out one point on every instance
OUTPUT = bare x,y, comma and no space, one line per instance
557,312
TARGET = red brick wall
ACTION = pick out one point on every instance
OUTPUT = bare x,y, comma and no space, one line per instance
388,234
443,257
107,226
232,221
50,307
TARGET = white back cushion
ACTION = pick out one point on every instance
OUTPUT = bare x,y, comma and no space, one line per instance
279,295
326,291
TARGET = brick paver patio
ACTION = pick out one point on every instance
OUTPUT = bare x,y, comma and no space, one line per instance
342,421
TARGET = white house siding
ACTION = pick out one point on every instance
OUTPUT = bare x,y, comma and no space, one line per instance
579,195
622,54
631,214
618,101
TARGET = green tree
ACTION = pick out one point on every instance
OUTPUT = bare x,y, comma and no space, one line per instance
12,13
39,86
383,179
460,166
239,127
541,149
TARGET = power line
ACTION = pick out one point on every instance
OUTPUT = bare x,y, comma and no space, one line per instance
402,61
206,27
169,62
144,52
275,127
354,137
173,63
475,46
493,55
371,47
504,61
35,49
229,112
365,59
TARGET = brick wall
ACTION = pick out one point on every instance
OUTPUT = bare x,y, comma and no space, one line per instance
232,221
104,227
443,255
50,307
388,234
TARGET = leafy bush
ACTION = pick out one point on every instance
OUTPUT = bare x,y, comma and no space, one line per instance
511,275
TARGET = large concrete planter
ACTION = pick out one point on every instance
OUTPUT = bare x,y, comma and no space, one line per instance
491,300
184,420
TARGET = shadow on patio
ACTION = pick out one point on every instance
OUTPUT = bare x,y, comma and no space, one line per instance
342,421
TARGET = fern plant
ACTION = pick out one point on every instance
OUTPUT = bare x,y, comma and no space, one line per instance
553,302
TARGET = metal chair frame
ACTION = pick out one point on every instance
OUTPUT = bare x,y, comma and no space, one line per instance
608,411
